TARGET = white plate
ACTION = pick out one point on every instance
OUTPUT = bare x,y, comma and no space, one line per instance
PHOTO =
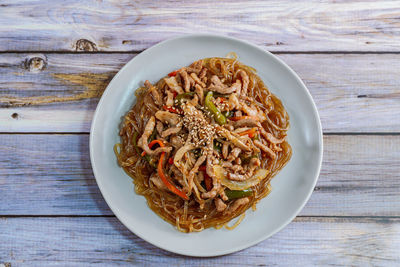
291,188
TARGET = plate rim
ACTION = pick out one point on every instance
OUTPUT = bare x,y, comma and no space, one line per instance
230,39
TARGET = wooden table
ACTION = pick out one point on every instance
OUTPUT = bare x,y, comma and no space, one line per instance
57,57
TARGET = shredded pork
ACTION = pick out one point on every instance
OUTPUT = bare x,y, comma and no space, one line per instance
195,139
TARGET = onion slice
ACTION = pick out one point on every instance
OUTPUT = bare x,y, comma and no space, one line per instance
221,175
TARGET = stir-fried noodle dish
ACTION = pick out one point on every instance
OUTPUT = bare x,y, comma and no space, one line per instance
203,143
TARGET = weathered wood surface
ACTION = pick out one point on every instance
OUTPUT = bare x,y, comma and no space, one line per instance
53,211
48,174
51,175
353,92
58,92
127,25
106,242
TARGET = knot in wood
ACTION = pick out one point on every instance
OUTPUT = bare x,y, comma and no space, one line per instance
85,45
35,63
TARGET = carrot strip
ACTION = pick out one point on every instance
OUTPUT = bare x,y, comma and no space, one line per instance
207,179
207,182
251,132
221,100
172,109
151,144
173,73
160,171
164,178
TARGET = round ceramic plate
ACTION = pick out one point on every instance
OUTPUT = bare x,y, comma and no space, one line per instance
291,188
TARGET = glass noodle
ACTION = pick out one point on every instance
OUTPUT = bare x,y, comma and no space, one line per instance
186,214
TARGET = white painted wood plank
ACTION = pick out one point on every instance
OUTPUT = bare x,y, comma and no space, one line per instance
57,92
51,175
354,93
360,175
135,25
105,241
48,174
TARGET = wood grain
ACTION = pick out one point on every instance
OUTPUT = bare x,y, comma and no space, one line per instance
353,92
57,57
58,95
51,175
105,242
360,175
48,174
127,25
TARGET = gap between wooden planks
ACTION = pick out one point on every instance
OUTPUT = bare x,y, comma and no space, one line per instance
105,241
52,172
128,25
353,92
